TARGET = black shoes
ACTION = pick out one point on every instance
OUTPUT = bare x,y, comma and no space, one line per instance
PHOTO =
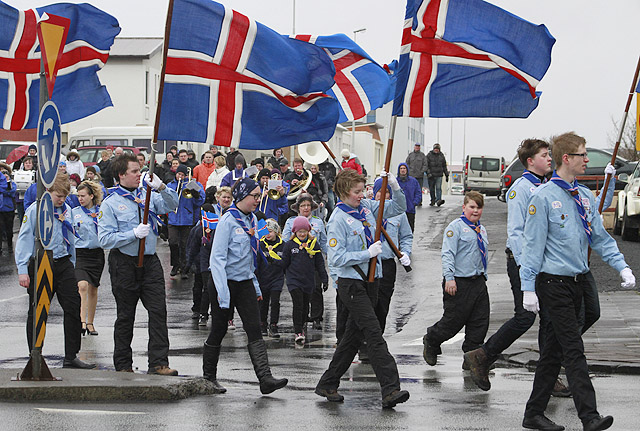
479,366
317,325
263,330
91,331
541,422
174,271
273,331
440,202
560,389
331,395
429,352
395,397
432,203
599,423
77,363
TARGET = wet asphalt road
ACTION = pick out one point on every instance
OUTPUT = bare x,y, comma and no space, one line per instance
442,397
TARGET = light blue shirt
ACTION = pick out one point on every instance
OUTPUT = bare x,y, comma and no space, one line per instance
25,247
85,228
347,241
554,238
119,215
317,229
518,199
400,232
231,255
460,253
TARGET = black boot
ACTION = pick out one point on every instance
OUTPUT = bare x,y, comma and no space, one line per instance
258,353
210,367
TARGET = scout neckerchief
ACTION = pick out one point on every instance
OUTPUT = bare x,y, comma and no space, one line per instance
306,246
93,215
137,199
235,212
358,215
573,190
477,228
66,226
532,178
271,248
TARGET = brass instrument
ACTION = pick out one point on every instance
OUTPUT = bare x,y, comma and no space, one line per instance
302,184
191,188
270,193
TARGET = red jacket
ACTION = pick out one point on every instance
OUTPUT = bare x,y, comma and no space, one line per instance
351,164
202,171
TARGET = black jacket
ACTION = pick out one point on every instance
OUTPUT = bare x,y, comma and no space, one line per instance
270,274
198,248
436,165
300,268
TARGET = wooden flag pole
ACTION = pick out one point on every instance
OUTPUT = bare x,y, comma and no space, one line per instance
624,120
385,181
152,160
395,249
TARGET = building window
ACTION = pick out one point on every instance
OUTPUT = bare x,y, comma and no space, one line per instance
146,87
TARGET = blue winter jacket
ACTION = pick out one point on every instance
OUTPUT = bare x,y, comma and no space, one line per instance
411,189
8,192
188,209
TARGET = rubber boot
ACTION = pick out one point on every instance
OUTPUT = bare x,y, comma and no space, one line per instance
210,367
258,353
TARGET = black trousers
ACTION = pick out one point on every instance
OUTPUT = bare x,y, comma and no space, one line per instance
317,301
6,228
469,307
208,292
129,286
178,236
197,291
65,288
521,321
270,300
385,292
560,302
300,301
411,217
244,299
360,298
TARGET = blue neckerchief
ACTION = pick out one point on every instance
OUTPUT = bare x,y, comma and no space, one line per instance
93,215
478,230
532,178
128,195
235,212
66,227
358,215
573,190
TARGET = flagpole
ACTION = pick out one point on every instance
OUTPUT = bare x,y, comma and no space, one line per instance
624,120
385,181
333,156
152,160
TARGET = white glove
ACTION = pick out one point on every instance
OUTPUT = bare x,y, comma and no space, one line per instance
142,230
155,183
610,170
628,280
405,260
375,249
393,182
530,301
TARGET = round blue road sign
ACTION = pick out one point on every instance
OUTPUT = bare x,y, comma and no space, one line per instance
45,219
49,143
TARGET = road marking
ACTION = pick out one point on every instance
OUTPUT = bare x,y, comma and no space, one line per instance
15,297
88,412
418,341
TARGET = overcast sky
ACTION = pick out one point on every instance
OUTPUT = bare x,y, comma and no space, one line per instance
592,65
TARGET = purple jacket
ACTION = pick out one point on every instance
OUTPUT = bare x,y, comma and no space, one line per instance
411,188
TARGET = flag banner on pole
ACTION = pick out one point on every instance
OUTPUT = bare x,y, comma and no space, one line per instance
234,82
78,92
209,219
469,58
637,116
362,85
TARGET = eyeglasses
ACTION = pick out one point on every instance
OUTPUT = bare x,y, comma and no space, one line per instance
256,196
583,155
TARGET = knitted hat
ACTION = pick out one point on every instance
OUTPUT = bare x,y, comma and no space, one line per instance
76,178
304,197
93,169
300,223
273,226
345,153
377,185
264,173
33,147
183,169
276,171
239,160
242,188
436,145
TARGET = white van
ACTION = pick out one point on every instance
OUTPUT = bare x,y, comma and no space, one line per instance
482,174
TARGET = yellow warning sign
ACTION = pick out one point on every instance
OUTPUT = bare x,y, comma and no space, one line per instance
52,35
44,292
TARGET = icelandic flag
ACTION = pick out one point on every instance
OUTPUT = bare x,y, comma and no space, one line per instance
232,81
262,228
209,219
361,84
469,58
78,92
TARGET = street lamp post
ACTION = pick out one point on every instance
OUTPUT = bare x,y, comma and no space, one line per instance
353,122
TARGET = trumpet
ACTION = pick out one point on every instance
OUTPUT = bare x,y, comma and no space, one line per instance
270,193
191,188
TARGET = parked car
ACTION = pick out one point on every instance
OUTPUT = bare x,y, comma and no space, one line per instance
91,155
627,215
482,174
9,146
598,159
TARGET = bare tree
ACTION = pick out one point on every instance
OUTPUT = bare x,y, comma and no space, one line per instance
627,147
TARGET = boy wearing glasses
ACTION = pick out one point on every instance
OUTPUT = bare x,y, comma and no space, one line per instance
562,223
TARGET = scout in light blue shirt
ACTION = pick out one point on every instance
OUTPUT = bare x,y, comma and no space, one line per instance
25,247
119,215
553,222
86,227
460,253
